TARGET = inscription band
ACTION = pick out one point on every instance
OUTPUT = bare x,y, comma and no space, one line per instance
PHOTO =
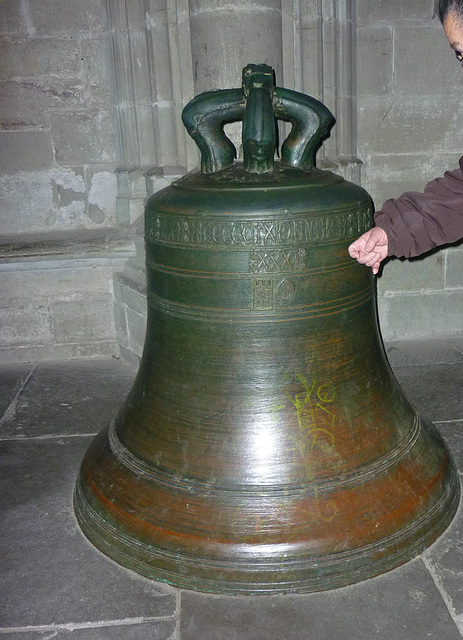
186,230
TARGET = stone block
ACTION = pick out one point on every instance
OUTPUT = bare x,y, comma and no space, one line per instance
422,315
56,312
27,103
369,11
83,138
25,151
243,44
213,6
371,112
25,325
12,18
132,294
84,197
102,194
57,352
129,356
131,187
39,57
440,78
375,61
47,282
390,175
120,322
130,316
454,268
136,325
63,199
89,319
17,191
96,72
426,126
68,185
55,15
425,273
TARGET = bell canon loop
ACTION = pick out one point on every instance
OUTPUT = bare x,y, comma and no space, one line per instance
266,446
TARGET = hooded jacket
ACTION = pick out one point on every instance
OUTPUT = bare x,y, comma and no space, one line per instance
417,222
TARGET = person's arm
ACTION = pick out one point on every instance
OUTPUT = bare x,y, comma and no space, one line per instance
417,222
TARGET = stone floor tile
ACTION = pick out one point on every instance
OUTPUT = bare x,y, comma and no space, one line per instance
49,573
435,390
433,352
158,630
445,560
12,378
69,398
401,605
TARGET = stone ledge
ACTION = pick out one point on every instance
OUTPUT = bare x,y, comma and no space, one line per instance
107,243
45,353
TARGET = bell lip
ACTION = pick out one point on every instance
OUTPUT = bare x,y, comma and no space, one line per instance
304,574
292,566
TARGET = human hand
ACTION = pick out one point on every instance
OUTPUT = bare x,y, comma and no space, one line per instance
370,249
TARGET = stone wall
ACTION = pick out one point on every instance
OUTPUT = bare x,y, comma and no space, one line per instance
60,241
56,139
409,132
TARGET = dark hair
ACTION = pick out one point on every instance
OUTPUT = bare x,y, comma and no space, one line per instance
444,7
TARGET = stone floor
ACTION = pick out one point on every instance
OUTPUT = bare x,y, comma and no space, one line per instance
54,584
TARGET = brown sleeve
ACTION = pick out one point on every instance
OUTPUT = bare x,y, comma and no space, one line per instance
417,222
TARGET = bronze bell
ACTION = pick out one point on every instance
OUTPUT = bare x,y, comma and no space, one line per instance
266,446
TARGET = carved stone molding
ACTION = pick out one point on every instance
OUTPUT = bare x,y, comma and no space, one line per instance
319,44
150,60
